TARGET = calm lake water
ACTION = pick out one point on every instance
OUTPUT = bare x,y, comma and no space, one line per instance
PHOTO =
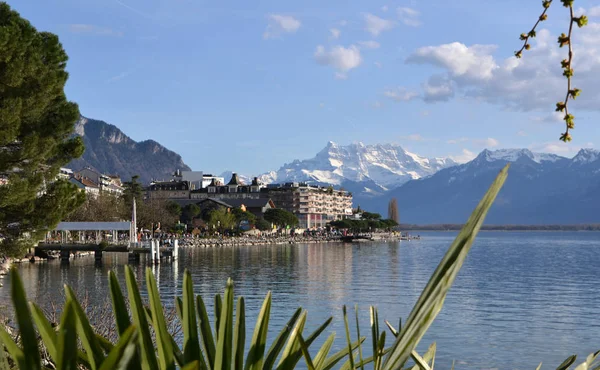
521,297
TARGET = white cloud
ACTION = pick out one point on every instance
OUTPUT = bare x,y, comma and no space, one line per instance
465,156
413,137
438,88
321,105
558,147
96,30
488,143
375,25
594,12
369,44
534,82
118,77
378,64
459,140
400,94
341,76
377,105
522,133
384,8
335,33
553,117
341,58
409,16
280,24
425,113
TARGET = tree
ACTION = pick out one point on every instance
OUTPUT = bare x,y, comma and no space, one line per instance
281,217
221,219
104,207
133,190
370,216
241,215
393,210
263,225
189,212
36,126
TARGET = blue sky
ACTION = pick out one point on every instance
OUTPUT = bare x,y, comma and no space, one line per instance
250,85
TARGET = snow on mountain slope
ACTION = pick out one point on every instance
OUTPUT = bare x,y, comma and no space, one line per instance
387,165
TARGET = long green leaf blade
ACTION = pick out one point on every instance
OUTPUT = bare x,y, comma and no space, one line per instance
338,356
224,336
25,322
321,356
292,352
86,332
120,356
348,337
148,355
208,342
13,350
67,339
239,335
432,298
118,303
218,308
191,341
254,359
304,349
279,342
163,340
47,332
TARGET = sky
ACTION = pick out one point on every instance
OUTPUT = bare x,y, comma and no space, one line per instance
250,85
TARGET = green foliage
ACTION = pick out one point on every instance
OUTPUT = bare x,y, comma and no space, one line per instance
189,212
133,190
370,216
104,207
36,122
221,219
243,216
281,217
263,225
363,225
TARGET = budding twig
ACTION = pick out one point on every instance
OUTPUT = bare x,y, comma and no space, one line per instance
566,64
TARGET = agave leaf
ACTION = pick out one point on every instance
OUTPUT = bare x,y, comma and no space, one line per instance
163,340
67,339
13,350
3,360
588,361
567,363
432,298
47,332
453,365
224,336
239,335
191,341
380,350
360,354
26,330
368,360
179,307
256,353
374,334
421,364
86,332
395,332
118,303
290,357
297,354
208,343
279,342
338,356
191,366
539,366
304,349
324,352
348,338
218,308
138,312
104,343
120,356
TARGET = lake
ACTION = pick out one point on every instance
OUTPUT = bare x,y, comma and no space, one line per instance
520,298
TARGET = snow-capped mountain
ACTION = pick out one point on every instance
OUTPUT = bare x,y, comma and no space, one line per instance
376,168
540,189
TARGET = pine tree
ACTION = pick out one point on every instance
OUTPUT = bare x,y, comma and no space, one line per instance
36,125
393,210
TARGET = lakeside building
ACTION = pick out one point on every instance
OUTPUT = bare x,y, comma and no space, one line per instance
315,206
105,183
86,185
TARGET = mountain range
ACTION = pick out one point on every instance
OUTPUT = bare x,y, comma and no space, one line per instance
541,188
110,151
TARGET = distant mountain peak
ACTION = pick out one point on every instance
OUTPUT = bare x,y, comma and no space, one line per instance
513,155
586,155
109,150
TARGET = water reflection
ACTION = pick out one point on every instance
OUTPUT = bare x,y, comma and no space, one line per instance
520,298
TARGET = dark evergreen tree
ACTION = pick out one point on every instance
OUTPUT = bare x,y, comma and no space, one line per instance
36,126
